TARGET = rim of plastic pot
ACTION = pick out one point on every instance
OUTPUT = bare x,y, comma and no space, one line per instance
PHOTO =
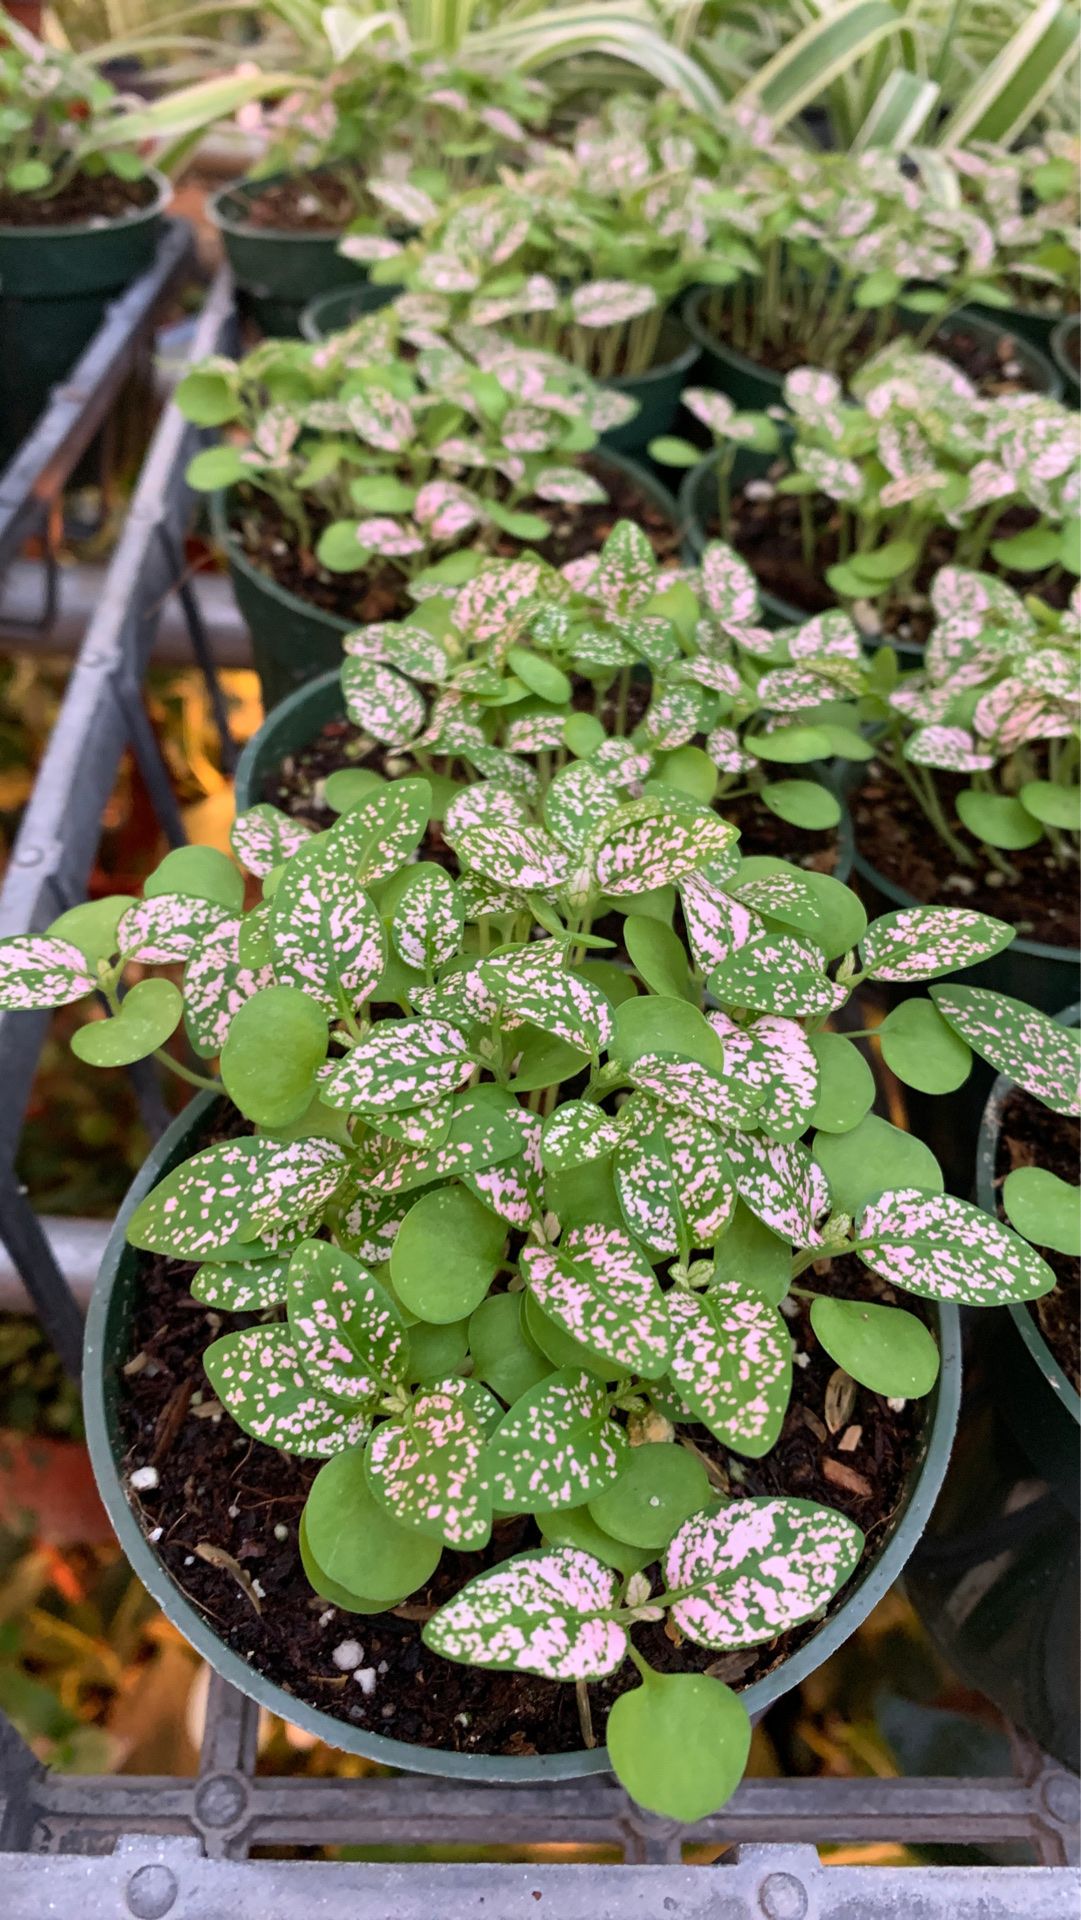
710,342
653,489
100,1351
232,221
1069,369
680,361
123,223
284,724
986,1156
371,295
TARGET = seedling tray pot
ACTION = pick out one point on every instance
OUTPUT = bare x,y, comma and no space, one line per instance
657,391
277,271
996,1579
331,312
55,284
106,1350
1064,352
292,639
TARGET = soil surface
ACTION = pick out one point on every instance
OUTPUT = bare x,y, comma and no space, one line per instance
321,202
379,591
85,201
765,528
1030,1136
297,786
894,834
220,1491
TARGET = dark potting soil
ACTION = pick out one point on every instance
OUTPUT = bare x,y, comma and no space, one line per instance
991,364
893,833
84,201
305,203
379,592
1031,1136
225,1512
765,528
296,786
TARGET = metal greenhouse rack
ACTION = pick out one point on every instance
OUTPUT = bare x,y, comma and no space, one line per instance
122,1847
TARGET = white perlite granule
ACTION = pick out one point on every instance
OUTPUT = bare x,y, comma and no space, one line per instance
144,1479
347,1655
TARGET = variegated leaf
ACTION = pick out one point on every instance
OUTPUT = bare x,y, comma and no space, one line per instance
717,925
776,973
920,943
576,1133
427,923
757,1569
167,926
511,1186
326,936
674,1184
607,303
645,845
942,1248
259,1380
556,1447
524,858
347,1332
292,1186
429,1469
217,985
538,1613
772,1055
41,970
601,1290
532,983
396,539
369,1225
445,510
689,1086
205,1206
399,1064
263,837
732,1364
579,798
626,573
571,484
1037,1053
729,588
242,1286
782,1186
381,702
951,749
381,420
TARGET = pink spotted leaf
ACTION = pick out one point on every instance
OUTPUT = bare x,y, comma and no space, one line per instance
399,1064
732,1364
263,837
556,1447
599,1287
42,970
257,1376
674,1184
942,1248
782,1186
347,1331
540,1612
1036,1052
757,1569
167,926
921,943
428,1470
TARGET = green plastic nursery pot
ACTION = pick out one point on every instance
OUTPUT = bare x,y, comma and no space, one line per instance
292,639
997,1574
1066,354
277,272
754,387
1034,324
106,1349
297,720
330,312
657,392
55,283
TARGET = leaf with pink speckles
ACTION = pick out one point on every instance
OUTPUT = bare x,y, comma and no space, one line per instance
946,1249
216,985
782,1186
757,1569
729,588
399,1064
676,713
428,1469
242,1286
427,922
646,844
732,1364
325,935
1036,1052
167,926
525,858
951,749
349,1336
600,1288
721,1100
532,983
920,943
263,837
381,420
483,1134
606,303
783,1063
292,1186
717,924
510,1185
570,484
775,974
41,970
626,573
369,1225
258,1378
674,1183
203,1209
576,1133
538,1613
557,1447
378,700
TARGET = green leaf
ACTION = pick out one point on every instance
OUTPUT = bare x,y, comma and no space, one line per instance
872,1157
660,1486
679,1744
583,734
426,1469
791,746
201,871
1036,1052
328,1589
1052,805
544,1060
576,1527
879,289
257,1376
882,564
732,1364
691,771
669,451
884,1348
661,1025
504,1356
749,1255
541,676
149,1013
846,1085
998,819
560,1348
827,911
348,1334
556,1447
276,1045
92,927
338,548
356,1542
658,956
348,786
1027,552
207,397
445,1254
1045,1209
922,1050
597,1282
946,1249
436,1352
215,468
802,803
